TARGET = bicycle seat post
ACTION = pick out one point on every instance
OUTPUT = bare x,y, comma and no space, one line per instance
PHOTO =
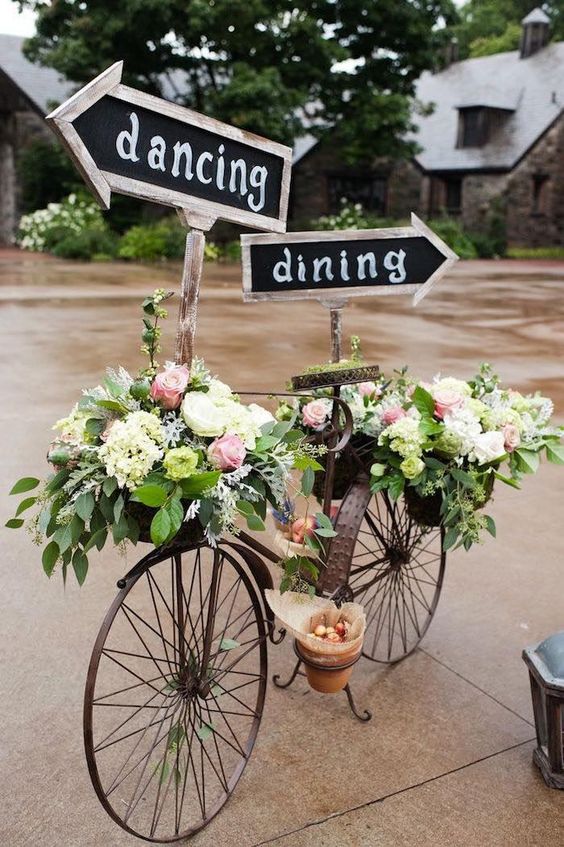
336,318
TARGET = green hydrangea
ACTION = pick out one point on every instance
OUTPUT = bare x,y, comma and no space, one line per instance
412,467
180,463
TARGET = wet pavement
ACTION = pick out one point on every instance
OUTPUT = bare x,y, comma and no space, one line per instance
447,757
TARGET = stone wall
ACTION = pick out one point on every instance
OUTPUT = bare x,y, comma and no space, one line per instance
17,130
545,227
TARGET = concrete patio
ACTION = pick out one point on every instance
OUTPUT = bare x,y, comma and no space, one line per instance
446,759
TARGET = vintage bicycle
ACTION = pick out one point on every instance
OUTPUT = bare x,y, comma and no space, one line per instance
177,679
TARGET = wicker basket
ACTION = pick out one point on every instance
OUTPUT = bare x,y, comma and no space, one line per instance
427,510
190,532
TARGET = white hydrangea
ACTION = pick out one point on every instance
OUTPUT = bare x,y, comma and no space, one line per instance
72,428
404,437
132,447
464,424
450,383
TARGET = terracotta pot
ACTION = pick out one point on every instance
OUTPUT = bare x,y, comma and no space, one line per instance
328,672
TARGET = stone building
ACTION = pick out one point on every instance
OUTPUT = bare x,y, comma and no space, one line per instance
26,93
494,139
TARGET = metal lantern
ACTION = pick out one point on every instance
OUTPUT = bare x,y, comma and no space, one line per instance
546,673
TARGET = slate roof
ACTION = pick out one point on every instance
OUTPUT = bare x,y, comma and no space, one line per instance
41,85
532,88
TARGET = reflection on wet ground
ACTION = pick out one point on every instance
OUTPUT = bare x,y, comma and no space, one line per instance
509,313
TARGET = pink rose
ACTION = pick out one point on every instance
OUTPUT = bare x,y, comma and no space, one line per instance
511,437
392,415
447,401
227,453
366,389
314,413
302,527
169,386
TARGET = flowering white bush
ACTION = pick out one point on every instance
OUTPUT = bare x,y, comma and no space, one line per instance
350,216
72,215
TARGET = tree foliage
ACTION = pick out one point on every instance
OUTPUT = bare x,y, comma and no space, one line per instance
275,67
494,26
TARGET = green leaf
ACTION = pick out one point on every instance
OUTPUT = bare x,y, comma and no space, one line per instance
118,507
396,486
555,453
323,521
308,480
292,436
160,527
95,426
463,477
206,512
25,504
326,533
49,557
109,486
84,505
302,463
309,567
57,481
14,523
450,539
80,565
150,495
292,565
245,507
260,508
134,530
281,429
63,537
228,644
204,731
507,480
433,463
112,405
423,402
265,443
175,511
195,486
98,539
255,523
24,484
76,528
285,584
528,460
490,525
120,530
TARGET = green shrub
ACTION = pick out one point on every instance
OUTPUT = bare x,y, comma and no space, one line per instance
484,245
452,234
535,252
87,244
164,239
232,252
46,174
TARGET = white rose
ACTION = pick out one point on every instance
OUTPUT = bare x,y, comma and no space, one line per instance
260,415
202,415
218,390
488,446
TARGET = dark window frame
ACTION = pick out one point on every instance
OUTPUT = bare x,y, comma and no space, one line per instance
540,198
342,184
444,189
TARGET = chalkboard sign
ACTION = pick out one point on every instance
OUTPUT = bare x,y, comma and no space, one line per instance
325,265
137,144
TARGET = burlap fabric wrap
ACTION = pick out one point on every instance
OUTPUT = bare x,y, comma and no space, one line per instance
300,614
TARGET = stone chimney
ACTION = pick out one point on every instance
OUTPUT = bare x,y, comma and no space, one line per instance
535,33
451,53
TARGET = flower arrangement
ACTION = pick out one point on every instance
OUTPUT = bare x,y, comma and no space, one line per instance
170,452
72,215
443,444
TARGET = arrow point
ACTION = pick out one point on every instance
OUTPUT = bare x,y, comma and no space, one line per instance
89,94
450,257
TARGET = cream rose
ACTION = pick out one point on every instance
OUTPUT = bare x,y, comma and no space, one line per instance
202,415
488,446
260,415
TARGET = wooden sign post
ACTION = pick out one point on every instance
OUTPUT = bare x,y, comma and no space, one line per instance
130,142
333,266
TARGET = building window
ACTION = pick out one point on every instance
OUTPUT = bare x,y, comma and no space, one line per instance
541,186
446,195
472,127
367,189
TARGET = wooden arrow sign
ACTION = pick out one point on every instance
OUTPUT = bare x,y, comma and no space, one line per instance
333,266
127,141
